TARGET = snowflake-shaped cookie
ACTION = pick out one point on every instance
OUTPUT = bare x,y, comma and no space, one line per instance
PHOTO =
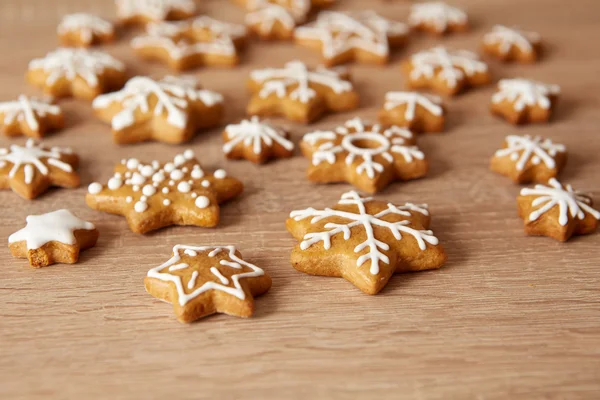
522,100
84,30
154,195
365,155
203,280
31,169
437,17
511,44
557,211
415,111
275,19
171,110
29,116
364,241
143,11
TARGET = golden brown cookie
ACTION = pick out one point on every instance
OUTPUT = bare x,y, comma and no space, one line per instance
144,11
85,30
438,18
364,241
275,19
204,280
511,44
415,111
557,211
31,169
367,156
154,195
520,101
171,110
54,237
30,117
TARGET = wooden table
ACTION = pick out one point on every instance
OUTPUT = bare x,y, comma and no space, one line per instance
508,317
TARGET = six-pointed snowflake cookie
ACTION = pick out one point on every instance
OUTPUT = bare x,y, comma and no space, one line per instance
557,211
256,141
154,195
30,117
529,159
299,93
367,156
54,237
364,241
438,18
204,280
31,169
344,37
275,19
520,101
80,73
445,71
171,110
85,30
143,11
415,111
511,44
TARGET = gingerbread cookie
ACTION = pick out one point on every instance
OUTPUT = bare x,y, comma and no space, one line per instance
154,195
30,117
343,37
510,44
31,169
204,280
54,237
364,241
529,159
557,211
256,141
144,11
275,19
415,111
367,156
438,18
85,30
80,73
190,44
520,101
299,93
171,110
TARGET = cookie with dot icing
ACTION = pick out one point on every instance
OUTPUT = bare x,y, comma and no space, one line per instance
85,30
30,117
414,111
512,44
521,101
144,11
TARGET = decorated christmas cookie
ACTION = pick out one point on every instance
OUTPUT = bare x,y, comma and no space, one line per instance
193,43
510,44
299,93
143,11
80,73
31,169
275,19
171,110
154,195
343,37
438,18
445,71
55,237
557,211
529,159
367,156
84,30
521,101
364,241
204,280
415,111
256,141
30,117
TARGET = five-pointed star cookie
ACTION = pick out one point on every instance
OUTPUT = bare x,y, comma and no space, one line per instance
171,110
31,169
367,156
203,280
415,111
143,11
54,237
364,241
343,37
520,101
557,211
30,117
154,195
510,44
438,18
275,19
85,30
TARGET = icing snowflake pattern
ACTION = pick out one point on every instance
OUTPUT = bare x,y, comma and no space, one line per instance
453,66
266,14
525,93
522,149
28,110
253,132
87,25
506,38
155,9
412,100
438,14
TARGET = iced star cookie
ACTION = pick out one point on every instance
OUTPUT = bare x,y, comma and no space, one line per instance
30,117
183,45
557,211
80,73
144,11
31,169
364,241
445,71
511,44
438,18
299,93
154,195
520,101
85,30
204,280
367,156
275,19
171,110
256,141
54,237
343,37
415,111
527,159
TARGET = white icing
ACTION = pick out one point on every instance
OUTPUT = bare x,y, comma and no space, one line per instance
263,14
253,133
412,100
28,110
507,38
439,15
34,155
157,10
86,25
525,93
202,202
522,149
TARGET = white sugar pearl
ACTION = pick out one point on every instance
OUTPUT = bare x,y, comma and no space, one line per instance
114,183
143,198
188,154
176,174
169,167
165,190
128,199
220,174
184,187
194,195
95,188
140,206
167,202
132,163
205,183
137,179
135,188
171,183
158,177
185,170
202,202
197,173
147,170
155,164
148,190
179,159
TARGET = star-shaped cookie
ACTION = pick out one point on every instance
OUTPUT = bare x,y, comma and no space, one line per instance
85,30
437,17
154,195
511,44
275,19
364,241
203,280
415,111
30,117
143,11
520,101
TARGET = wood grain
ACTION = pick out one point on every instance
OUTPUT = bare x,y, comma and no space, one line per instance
508,317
